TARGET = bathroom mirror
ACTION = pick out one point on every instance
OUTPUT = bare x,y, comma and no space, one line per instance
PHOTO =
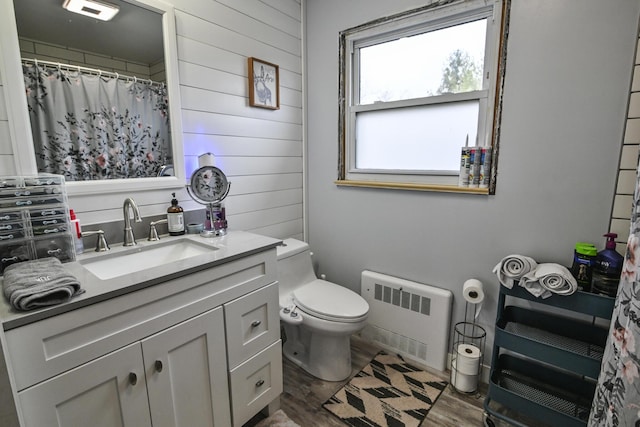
149,22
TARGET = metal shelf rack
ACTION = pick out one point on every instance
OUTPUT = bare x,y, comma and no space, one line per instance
545,363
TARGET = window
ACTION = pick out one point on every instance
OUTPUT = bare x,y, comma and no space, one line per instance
415,88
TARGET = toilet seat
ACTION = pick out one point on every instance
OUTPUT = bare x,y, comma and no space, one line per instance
329,301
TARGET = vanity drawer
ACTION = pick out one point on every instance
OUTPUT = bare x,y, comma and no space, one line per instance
12,231
50,225
252,323
60,247
10,182
26,201
10,216
46,180
30,191
13,252
8,226
47,212
46,348
256,383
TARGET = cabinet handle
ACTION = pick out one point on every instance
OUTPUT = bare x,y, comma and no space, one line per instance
255,323
133,378
158,365
259,383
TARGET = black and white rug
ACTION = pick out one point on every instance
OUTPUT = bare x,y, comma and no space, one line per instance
388,392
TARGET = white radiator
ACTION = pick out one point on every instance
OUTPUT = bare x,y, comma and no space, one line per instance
409,318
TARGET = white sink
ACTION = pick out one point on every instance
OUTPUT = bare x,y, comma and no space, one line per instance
122,262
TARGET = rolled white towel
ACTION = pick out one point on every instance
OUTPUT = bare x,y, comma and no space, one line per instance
549,278
512,268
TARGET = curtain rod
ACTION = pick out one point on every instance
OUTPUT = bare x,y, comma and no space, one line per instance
91,70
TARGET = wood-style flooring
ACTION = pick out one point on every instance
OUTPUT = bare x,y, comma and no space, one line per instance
304,395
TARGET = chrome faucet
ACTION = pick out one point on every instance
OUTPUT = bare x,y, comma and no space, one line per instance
129,238
101,243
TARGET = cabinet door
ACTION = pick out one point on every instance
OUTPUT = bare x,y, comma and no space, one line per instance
107,392
186,372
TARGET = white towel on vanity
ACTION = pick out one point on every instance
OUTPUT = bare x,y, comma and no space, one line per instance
548,279
512,268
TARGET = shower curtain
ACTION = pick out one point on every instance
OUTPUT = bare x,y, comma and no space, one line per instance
617,398
93,126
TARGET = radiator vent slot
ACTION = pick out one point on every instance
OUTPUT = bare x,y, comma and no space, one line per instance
407,317
397,342
401,298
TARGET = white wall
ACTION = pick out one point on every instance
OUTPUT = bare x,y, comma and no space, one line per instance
42,51
6,150
260,150
565,100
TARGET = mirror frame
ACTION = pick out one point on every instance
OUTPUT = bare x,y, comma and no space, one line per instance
20,124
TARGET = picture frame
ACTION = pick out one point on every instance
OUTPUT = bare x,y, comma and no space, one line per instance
264,84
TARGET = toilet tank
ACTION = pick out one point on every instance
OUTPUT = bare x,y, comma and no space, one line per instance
294,265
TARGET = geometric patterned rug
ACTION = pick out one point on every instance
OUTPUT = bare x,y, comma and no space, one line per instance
388,392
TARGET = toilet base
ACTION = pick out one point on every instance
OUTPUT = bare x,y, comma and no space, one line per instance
327,357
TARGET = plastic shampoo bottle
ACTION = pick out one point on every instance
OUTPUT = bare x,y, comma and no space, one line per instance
607,268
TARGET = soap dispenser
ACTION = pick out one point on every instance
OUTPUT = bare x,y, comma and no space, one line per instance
175,217
607,268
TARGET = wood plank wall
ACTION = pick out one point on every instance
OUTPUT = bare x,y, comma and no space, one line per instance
260,150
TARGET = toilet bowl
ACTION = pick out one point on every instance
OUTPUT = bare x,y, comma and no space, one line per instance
318,317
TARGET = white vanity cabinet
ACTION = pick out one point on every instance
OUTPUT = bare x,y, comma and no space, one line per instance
168,379
198,350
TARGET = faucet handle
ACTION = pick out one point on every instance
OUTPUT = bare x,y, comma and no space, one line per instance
101,242
153,233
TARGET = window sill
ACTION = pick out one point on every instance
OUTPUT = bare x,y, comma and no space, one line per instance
413,187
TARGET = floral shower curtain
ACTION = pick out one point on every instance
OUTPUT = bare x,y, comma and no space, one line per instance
617,398
92,127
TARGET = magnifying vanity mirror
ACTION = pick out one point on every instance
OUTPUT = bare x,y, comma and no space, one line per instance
134,53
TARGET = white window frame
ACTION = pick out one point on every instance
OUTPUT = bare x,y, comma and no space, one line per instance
428,18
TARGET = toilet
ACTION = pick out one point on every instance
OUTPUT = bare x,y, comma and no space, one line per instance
318,317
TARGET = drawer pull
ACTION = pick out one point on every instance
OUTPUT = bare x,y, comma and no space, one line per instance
133,378
255,323
259,383
158,365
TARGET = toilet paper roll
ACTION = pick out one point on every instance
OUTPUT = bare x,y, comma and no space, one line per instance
206,159
473,291
468,359
463,382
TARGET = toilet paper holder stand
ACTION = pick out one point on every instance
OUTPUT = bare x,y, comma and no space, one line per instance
467,352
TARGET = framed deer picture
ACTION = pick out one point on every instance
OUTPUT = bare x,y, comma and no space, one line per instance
264,84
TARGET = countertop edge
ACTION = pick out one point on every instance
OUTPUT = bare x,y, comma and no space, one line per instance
12,319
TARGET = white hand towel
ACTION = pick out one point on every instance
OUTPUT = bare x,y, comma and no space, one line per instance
549,278
512,268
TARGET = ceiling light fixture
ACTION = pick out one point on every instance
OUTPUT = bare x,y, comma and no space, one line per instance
95,9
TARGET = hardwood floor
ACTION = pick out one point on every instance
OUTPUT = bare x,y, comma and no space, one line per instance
304,395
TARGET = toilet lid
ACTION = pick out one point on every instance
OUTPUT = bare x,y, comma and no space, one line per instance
329,301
